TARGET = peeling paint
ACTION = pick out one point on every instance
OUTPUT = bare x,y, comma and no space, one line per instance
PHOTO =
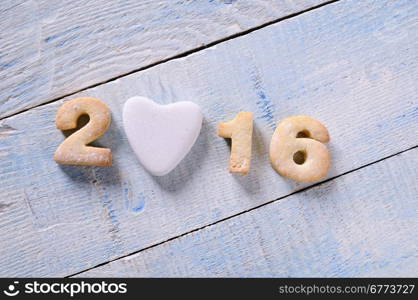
6,130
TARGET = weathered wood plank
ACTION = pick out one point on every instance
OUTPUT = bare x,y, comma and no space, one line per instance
50,50
361,224
350,65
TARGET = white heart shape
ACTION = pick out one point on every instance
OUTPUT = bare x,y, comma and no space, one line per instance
161,135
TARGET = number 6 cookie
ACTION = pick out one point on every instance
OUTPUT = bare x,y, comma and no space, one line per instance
297,150
73,151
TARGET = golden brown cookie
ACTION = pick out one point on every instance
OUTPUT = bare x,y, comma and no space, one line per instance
297,151
73,151
240,131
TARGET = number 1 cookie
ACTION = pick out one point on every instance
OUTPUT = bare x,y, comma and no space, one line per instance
240,131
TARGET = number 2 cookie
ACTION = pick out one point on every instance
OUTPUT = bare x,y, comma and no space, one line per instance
74,150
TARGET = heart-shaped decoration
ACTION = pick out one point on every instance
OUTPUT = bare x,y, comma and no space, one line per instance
161,135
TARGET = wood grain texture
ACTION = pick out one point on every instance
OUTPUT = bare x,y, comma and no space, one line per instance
351,65
359,225
51,50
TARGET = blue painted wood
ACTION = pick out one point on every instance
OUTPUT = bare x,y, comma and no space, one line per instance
51,50
352,65
363,224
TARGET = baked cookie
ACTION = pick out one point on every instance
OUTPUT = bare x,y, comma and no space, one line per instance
297,151
73,151
240,131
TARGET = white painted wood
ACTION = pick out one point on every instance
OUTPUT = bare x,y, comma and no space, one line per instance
362,224
50,49
350,65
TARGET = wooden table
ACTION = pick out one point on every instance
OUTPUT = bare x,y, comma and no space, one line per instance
353,65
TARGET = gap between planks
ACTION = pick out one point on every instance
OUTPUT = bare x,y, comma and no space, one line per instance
243,212
178,56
